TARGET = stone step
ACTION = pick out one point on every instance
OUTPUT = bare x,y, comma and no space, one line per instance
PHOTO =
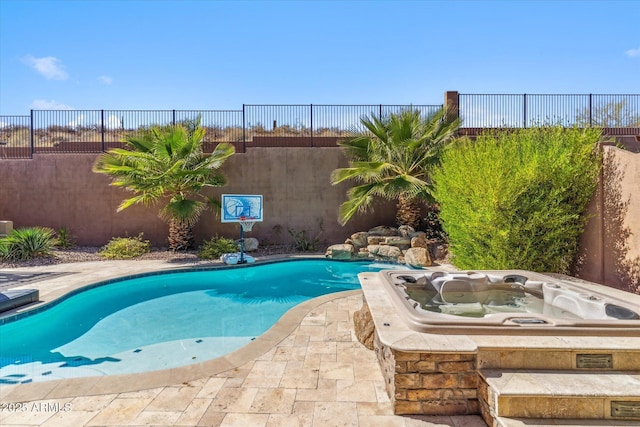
554,422
562,359
606,395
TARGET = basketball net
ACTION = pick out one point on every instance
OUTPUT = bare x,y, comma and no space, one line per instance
246,223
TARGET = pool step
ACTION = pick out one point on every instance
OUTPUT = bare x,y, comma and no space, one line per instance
532,394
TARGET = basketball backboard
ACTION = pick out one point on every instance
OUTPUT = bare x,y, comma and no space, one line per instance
241,207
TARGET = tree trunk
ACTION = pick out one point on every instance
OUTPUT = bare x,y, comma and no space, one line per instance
180,236
408,211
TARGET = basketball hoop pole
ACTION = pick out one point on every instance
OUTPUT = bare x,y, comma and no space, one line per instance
242,260
246,224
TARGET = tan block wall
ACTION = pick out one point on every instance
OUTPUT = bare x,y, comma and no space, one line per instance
60,190
610,245
429,383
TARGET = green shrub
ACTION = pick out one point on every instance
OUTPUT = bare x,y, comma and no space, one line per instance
26,243
217,246
64,238
516,199
303,240
125,248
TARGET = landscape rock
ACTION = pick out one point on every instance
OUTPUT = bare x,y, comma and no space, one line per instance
406,230
417,257
419,242
419,234
375,240
341,251
364,326
359,239
438,250
250,244
384,252
400,242
384,230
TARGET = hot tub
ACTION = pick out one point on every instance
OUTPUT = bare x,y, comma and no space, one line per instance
518,302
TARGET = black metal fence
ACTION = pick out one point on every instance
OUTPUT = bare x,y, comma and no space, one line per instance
94,131
531,110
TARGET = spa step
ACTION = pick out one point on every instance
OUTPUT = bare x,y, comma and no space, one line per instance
555,422
611,395
579,358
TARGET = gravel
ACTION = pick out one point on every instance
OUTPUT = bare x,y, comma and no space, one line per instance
85,253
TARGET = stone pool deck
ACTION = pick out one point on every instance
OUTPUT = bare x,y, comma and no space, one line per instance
309,370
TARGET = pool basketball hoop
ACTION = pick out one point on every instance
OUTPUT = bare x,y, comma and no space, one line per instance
244,209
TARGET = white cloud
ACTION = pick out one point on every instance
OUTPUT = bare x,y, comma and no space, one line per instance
43,104
113,122
105,79
79,121
4,125
49,66
633,52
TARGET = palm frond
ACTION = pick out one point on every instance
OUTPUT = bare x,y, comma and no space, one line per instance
363,171
166,163
394,158
186,211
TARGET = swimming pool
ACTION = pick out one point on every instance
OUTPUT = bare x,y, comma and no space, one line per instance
162,320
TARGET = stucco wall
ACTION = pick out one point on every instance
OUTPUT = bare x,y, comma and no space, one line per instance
610,245
57,190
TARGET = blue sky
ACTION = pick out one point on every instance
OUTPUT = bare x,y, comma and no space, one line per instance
220,54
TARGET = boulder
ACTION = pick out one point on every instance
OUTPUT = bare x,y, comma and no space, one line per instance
375,240
383,230
250,244
417,257
401,242
406,230
438,250
419,242
362,254
419,234
359,239
384,252
342,251
364,326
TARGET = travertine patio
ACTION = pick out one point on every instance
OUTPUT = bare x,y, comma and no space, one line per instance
307,371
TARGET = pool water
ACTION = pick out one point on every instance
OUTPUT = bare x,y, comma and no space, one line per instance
482,303
163,321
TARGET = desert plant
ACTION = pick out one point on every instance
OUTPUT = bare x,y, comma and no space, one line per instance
125,247
394,161
64,239
516,199
216,247
26,243
432,225
167,165
303,239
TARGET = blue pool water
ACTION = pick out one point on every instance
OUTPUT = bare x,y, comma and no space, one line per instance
163,321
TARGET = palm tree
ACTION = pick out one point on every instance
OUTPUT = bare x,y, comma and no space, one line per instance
394,161
167,165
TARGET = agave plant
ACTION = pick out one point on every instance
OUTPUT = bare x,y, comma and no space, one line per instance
167,165
394,161
26,243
